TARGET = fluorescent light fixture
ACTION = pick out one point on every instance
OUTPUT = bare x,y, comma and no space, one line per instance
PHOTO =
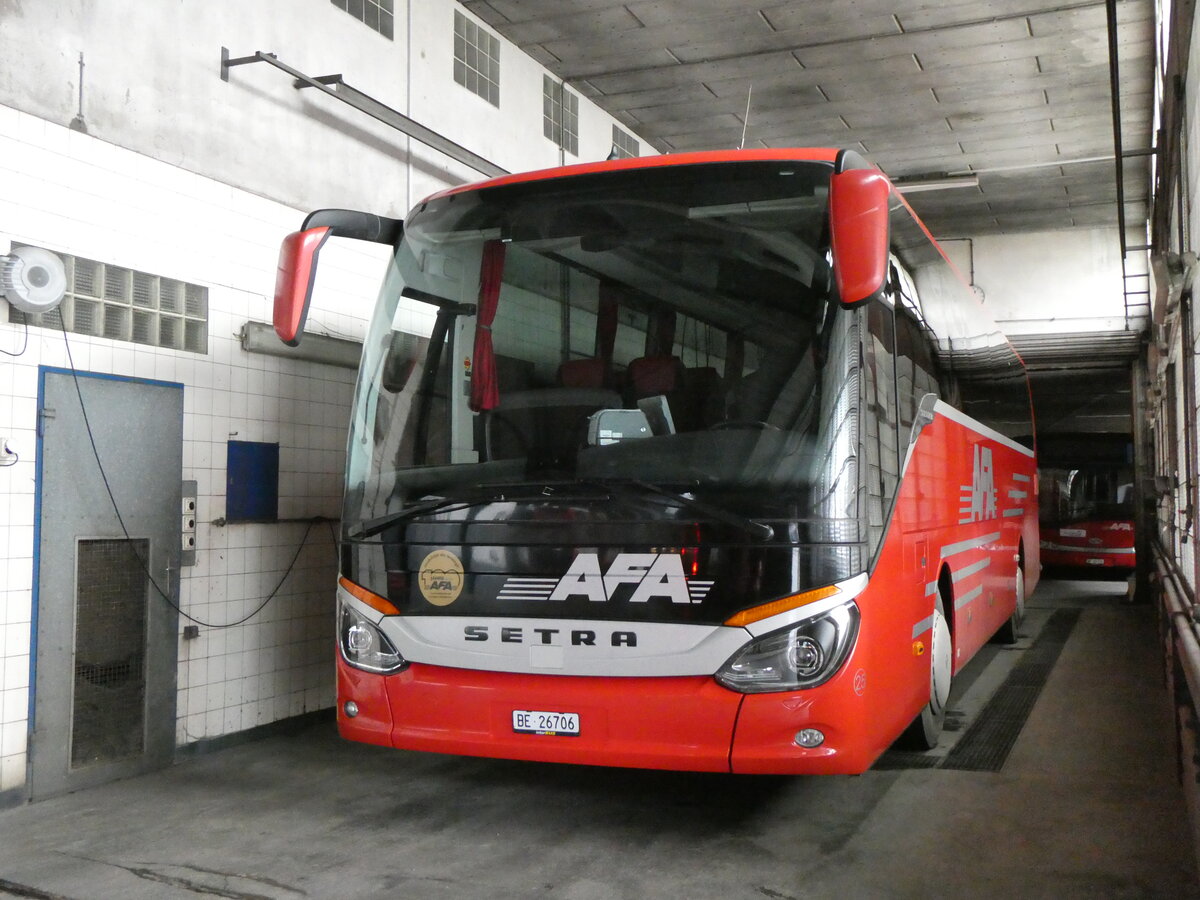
259,337
936,184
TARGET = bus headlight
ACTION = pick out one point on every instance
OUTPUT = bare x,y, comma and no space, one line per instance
364,646
799,656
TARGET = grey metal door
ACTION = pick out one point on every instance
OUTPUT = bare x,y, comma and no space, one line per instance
105,662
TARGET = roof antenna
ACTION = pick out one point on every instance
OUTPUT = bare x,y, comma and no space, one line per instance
746,118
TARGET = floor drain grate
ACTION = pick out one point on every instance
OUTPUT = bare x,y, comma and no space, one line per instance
906,759
986,744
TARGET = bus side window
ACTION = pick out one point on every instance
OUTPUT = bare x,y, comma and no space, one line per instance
916,368
880,438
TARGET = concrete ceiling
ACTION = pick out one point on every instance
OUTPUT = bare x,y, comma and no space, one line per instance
1015,91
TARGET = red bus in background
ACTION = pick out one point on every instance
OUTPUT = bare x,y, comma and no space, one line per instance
701,461
1087,505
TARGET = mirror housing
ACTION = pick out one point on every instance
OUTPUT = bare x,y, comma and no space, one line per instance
297,270
858,229
294,281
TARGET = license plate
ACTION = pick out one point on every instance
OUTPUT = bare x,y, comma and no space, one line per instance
1072,532
536,721
1095,562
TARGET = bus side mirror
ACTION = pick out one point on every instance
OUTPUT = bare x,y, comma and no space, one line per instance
294,281
858,228
298,260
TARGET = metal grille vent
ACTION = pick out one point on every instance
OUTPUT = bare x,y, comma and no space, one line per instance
126,305
108,707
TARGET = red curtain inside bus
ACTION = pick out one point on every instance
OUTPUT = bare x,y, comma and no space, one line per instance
485,394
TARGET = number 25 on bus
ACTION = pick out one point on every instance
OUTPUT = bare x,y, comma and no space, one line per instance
702,461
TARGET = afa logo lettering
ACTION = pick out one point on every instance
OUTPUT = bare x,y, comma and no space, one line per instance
979,497
631,577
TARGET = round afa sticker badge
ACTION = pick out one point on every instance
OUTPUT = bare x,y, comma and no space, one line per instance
440,577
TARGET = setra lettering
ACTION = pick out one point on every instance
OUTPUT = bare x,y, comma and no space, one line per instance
577,637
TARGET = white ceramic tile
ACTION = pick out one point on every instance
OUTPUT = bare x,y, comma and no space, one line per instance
15,672
13,738
12,771
16,639
14,705
18,608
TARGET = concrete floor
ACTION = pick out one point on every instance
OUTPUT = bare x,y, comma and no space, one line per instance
1086,806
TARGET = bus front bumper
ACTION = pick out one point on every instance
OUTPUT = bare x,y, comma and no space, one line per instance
1088,558
680,723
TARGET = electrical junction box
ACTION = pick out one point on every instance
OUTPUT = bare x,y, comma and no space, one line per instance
611,426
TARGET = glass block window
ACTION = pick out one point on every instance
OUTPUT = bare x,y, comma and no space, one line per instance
476,59
125,305
560,115
378,15
624,144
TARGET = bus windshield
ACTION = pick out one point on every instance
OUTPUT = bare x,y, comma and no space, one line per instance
1097,493
670,329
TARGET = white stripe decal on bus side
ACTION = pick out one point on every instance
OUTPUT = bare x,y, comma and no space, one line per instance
968,597
969,544
921,627
968,571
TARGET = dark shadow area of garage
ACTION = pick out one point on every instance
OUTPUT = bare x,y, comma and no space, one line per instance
1085,804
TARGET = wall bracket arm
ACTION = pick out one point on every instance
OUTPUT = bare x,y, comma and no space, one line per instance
335,87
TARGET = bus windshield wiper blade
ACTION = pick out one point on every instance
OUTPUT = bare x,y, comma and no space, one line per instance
629,487
373,527
760,530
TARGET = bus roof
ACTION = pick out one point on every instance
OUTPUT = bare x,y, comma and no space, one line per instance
805,154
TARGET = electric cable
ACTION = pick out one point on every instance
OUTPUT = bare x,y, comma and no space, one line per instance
24,345
120,519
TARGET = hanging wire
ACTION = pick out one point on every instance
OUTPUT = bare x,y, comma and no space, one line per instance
165,595
24,344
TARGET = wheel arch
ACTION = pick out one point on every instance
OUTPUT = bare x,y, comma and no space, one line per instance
945,589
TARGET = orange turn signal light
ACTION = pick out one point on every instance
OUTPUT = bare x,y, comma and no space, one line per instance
918,648
373,600
775,607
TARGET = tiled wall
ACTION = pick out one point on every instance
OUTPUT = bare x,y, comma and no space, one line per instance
77,195
146,208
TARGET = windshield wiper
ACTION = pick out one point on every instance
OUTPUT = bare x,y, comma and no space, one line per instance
756,529
373,527
628,487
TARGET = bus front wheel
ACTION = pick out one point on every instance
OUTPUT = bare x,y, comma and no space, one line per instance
926,728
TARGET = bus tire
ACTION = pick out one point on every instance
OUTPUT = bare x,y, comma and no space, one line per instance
926,728
1009,632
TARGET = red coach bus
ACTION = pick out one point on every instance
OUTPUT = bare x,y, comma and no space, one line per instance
701,462
1087,506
